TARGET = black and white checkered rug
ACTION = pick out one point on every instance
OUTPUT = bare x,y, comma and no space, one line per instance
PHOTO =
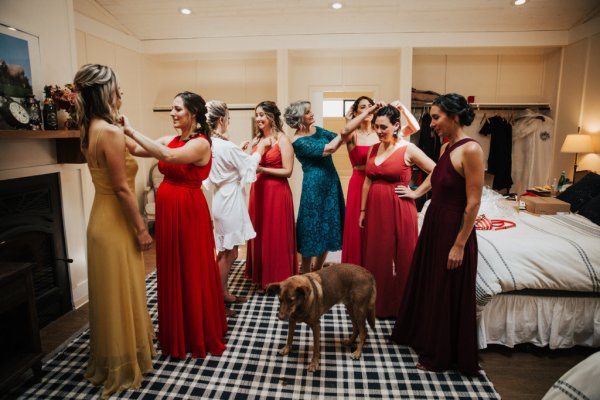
251,368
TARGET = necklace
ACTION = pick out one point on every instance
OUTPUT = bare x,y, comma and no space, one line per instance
364,134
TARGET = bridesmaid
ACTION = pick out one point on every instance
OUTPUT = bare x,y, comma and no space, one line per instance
271,255
321,213
121,333
437,316
390,223
358,141
191,309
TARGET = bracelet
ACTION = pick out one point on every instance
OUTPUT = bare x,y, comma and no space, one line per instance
364,209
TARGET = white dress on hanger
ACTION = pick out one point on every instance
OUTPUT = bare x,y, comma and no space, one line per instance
532,150
231,171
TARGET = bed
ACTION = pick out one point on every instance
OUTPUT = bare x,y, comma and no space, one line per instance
538,282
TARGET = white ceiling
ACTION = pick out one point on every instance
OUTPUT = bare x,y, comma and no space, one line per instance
155,20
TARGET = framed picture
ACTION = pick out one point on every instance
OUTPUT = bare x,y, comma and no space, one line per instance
20,76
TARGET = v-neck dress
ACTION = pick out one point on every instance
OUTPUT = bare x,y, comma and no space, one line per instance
390,230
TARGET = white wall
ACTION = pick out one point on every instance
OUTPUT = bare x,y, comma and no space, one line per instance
53,23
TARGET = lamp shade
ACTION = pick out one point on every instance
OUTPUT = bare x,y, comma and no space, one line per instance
577,143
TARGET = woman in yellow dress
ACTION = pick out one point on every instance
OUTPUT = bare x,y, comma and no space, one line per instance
121,332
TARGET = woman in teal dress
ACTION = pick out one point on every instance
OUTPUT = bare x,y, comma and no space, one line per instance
320,223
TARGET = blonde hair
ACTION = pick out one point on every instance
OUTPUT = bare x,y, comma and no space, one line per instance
215,109
273,115
97,91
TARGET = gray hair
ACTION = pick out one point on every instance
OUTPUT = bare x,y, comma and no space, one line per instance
215,109
295,112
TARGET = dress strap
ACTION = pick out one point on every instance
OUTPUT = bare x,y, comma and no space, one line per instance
461,142
96,149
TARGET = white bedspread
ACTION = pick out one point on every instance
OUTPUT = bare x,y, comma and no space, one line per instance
553,252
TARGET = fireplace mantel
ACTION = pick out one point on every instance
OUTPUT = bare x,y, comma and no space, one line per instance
67,147
22,134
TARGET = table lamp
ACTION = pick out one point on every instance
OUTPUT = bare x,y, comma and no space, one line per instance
577,143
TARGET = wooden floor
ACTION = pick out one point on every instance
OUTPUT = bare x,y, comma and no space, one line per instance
525,372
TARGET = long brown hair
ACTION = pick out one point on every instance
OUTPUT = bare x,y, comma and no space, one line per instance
273,114
196,105
97,91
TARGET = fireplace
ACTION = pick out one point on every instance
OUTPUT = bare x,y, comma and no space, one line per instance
31,230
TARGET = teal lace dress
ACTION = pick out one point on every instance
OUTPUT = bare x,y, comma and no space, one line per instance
320,222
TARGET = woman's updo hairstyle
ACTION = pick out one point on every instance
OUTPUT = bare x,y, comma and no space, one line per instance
216,109
454,104
196,105
391,113
97,92
294,114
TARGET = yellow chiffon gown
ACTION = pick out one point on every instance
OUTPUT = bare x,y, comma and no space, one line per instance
121,332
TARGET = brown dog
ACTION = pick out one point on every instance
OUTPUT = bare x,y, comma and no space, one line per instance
304,298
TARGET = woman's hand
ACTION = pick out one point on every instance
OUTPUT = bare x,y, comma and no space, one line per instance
455,258
144,240
264,144
127,128
405,192
361,219
244,144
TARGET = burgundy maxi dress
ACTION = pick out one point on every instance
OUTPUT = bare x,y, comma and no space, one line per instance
437,316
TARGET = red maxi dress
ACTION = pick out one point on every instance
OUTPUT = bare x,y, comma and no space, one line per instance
437,317
191,310
390,230
271,255
351,247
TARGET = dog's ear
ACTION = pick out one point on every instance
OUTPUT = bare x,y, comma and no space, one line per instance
274,288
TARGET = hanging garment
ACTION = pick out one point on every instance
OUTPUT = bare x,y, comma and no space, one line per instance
532,150
500,157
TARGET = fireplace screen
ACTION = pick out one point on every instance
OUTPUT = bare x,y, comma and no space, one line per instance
31,230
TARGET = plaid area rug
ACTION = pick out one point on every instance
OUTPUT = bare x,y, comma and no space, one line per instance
251,367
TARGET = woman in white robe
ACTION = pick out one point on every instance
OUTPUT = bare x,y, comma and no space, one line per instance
232,169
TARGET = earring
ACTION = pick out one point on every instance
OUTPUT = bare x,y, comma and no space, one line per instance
198,126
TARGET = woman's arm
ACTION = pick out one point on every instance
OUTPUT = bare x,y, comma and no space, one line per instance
287,159
407,192
194,152
364,195
332,146
113,148
472,163
363,201
412,124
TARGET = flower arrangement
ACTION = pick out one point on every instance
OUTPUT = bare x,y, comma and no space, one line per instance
63,96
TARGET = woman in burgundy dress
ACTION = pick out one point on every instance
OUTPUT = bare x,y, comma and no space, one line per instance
271,256
359,137
389,224
191,309
437,315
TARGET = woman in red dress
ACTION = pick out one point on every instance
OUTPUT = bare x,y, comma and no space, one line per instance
271,255
359,137
389,223
437,316
191,309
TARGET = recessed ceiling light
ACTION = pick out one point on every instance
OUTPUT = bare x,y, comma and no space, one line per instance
10,28
185,11
337,5
520,2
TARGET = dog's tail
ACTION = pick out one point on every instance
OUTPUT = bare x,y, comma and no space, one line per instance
371,309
